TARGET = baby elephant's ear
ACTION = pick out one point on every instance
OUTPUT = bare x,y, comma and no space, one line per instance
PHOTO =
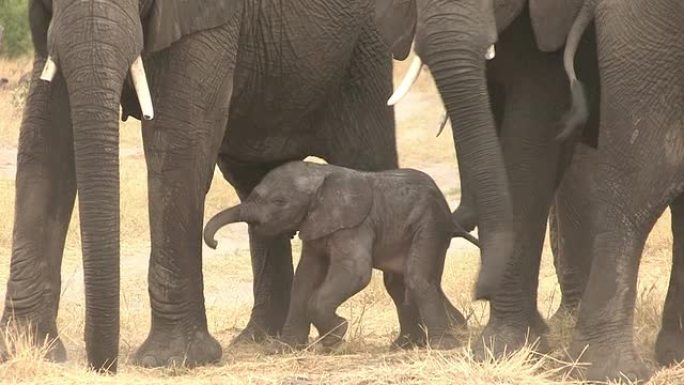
342,202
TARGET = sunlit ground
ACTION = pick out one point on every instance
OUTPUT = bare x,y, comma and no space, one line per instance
364,358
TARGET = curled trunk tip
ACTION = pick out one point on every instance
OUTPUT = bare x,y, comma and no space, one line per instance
225,217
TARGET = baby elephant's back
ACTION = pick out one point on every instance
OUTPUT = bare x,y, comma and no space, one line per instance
414,200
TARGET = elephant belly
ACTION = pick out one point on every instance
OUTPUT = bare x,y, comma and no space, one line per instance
291,63
391,256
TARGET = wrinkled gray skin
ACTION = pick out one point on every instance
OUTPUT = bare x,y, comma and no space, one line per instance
638,170
529,96
248,84
351,222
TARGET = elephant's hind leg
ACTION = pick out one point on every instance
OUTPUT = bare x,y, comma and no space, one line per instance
423,280
194,90
45,193
670,343
411,332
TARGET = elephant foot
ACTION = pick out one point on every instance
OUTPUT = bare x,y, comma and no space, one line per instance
669,347
175,349
249,335
56,352
285,345
465,218
444,342
566,315
258,330
409,341
609,362
500,339
334,336
13,335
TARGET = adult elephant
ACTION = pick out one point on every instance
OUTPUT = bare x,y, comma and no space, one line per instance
638,171
251,84
529,97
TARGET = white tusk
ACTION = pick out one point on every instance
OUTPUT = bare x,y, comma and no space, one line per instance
49,71
491,52
406,84
442,122
142,89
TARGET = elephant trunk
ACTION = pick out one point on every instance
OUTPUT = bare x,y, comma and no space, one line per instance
453,43
230,215
95,44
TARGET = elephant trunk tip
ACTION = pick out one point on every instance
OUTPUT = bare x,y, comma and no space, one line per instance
210,240
229,215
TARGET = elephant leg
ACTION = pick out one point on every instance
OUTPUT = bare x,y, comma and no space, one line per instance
45,193
349,271
411,332
670,343
271,259
311,272
604,333
570,233
193,87
536,98
423,275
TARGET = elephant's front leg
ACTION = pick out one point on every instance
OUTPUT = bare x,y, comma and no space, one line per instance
271,259
311,271
45,192
194,88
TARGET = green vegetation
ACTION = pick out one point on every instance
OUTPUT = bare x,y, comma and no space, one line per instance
16,38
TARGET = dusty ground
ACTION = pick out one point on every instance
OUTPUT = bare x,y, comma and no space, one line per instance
363,359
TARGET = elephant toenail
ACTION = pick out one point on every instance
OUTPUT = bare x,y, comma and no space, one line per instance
176,361
149,362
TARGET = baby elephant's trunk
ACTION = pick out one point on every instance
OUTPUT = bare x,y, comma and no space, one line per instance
225,217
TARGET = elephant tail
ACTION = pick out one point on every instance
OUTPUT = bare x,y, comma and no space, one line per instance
578,115
460,232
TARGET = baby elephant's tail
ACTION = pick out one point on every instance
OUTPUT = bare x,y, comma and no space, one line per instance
459,232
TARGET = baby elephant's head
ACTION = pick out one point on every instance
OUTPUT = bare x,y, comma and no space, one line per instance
313,199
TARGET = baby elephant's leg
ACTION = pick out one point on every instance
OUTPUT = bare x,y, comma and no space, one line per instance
309,275
423,276
411,332
347,275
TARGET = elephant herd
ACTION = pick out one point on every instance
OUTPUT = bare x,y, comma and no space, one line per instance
576,121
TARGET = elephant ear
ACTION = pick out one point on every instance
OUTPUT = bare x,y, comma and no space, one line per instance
552,20
396,22
167,21
342,202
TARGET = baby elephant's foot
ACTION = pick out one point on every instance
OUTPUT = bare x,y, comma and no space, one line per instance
278,346
408,341
444,342
334,335
286,344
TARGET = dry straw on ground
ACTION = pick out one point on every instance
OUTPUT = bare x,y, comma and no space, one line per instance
364,358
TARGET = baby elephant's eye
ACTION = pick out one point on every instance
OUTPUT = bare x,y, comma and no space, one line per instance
279,202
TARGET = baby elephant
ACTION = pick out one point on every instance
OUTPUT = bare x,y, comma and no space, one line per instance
349,221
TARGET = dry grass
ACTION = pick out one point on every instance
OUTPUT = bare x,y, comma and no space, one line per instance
363,359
